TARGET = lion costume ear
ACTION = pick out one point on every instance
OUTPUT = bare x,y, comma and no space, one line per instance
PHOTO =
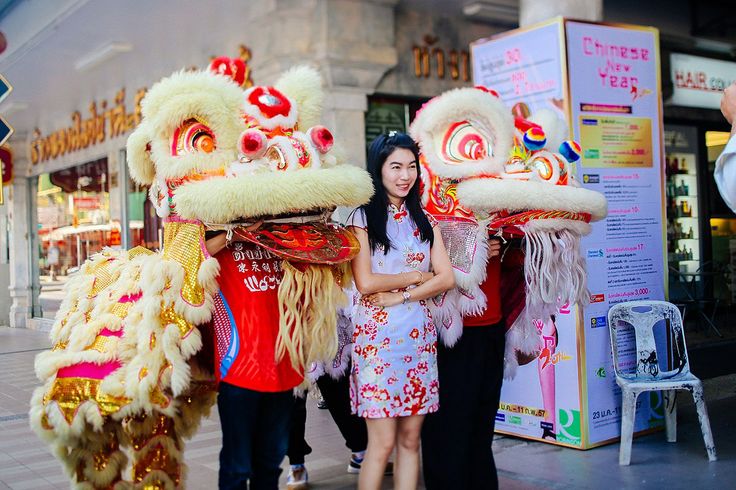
303,85
140,164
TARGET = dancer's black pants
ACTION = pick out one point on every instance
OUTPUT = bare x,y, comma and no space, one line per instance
456,440
337,396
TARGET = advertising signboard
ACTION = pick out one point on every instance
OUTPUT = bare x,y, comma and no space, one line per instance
698,81
603,80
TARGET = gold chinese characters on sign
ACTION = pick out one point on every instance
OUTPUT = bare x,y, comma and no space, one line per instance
101,123
429,56
84,133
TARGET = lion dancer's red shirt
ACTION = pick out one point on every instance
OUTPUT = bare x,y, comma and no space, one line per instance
491,287
246,320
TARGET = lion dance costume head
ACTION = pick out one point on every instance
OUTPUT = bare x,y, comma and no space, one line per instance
490,173
124,383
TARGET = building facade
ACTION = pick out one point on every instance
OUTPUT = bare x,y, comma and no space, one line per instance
80,69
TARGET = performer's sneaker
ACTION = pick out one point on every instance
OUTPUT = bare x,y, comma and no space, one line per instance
298,477
356,461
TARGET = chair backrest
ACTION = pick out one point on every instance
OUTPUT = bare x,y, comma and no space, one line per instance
642,316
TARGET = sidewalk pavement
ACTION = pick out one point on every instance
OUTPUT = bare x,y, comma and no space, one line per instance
25,462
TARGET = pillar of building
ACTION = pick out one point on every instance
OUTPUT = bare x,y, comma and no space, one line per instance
19,206
533,11
4,260
351,42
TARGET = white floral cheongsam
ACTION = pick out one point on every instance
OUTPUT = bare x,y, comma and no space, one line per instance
394,356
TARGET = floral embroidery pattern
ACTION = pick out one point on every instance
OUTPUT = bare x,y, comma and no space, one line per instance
394,354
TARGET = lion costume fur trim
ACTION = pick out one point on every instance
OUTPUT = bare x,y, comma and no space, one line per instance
482,110
218,200
505,194
303,85
142,379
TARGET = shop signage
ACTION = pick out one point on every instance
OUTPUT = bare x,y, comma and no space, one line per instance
104,120
86,203
431,60
5,131
86,132
698,81
5,88
6,158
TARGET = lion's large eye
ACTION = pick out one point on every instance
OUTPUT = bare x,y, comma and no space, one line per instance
193,136
462,142
548,166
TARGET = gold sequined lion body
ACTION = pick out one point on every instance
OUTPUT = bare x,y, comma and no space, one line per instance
125,381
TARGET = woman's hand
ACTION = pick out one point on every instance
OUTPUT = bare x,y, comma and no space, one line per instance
385,299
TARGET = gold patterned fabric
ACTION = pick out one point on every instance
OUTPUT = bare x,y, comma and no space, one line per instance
70,393
183,243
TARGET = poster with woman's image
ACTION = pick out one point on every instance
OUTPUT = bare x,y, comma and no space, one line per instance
542,401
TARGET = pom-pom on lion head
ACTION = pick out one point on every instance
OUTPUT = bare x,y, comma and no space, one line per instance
216,153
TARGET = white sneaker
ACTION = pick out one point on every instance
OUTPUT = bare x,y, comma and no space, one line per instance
356,459
298,478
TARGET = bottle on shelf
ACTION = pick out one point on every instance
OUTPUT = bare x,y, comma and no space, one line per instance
687,210
675,166
690,232
683,166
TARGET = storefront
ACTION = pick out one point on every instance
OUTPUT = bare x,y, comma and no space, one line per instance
381,60
433,57
701,229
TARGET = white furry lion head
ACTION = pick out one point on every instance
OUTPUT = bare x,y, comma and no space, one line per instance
485,171
218,153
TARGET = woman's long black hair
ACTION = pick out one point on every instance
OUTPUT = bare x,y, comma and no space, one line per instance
376,211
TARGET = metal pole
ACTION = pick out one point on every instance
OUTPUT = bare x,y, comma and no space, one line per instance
124,211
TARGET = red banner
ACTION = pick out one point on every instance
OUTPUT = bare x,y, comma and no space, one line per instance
86,203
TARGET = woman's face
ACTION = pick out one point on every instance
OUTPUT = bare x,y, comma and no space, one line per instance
398,174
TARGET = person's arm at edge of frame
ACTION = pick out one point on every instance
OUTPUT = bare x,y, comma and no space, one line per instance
725,169
369,282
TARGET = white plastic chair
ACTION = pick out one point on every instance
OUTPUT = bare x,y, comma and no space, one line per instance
642,316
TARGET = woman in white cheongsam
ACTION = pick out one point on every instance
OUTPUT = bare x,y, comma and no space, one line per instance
402,262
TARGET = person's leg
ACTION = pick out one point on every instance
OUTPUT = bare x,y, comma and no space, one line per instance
381,439
406,470
298,447
238,409
337,396
490,346
446,433
271,439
